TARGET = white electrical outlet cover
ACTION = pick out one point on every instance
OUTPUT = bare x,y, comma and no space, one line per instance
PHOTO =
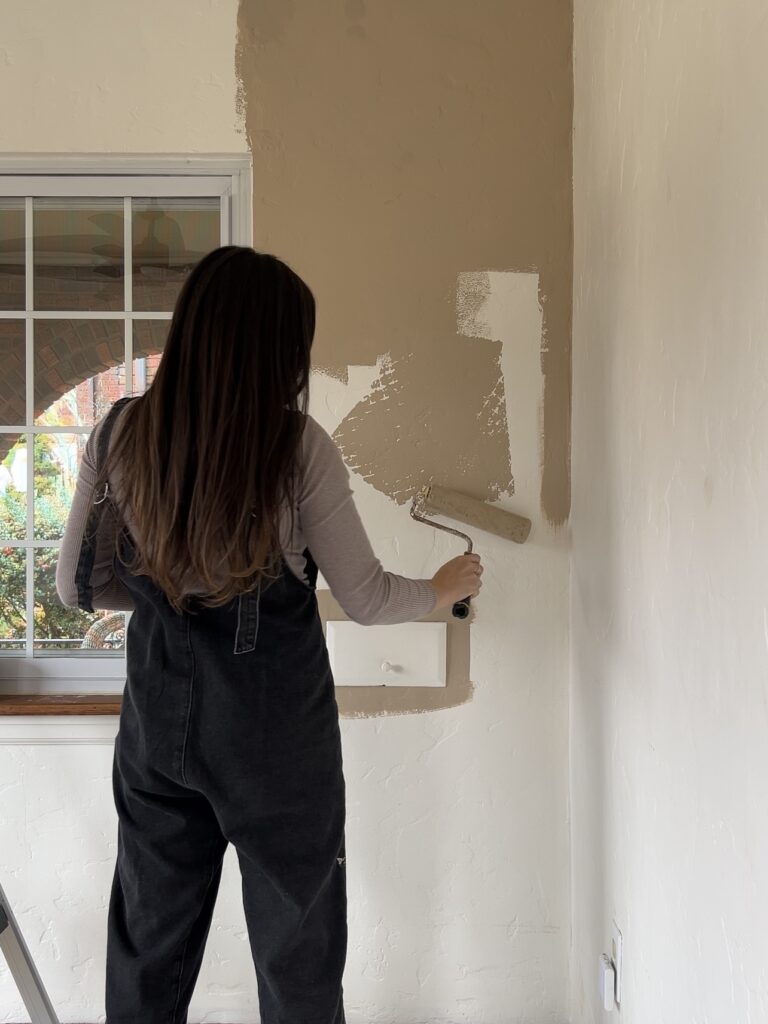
607,982
617,943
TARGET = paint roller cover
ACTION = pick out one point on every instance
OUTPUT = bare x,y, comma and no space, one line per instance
467,510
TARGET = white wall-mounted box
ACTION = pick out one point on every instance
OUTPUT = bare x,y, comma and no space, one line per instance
407,654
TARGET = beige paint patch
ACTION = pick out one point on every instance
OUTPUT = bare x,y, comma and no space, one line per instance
398,440
395,144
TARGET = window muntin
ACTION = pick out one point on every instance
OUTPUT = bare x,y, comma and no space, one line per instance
75,310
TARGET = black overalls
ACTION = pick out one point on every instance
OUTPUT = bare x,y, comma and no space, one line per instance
229,733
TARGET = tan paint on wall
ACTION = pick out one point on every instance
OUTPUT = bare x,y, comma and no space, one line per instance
396,143
399,441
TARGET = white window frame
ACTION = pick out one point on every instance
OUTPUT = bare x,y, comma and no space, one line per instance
225,176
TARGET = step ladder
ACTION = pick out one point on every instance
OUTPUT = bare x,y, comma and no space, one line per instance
23,968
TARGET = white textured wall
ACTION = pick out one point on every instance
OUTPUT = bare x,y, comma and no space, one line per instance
670,531
457,840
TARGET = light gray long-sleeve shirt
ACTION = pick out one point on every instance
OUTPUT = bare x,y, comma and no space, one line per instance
327,523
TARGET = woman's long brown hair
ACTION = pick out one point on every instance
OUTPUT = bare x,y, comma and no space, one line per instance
209,455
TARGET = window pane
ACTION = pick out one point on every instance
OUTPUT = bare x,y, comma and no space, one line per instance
12,373
78,254
57,457
58,628
169,237
79,371
12,254
13,588
13,488
148,344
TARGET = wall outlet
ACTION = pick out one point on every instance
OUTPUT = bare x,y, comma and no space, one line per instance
607,982
617,957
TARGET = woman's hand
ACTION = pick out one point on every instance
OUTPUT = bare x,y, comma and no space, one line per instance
457,579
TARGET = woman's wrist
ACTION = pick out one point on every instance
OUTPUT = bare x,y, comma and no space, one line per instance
439,593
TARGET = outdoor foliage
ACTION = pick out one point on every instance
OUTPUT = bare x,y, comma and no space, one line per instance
52,620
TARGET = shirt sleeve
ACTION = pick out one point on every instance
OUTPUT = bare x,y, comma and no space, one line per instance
340,546
108,591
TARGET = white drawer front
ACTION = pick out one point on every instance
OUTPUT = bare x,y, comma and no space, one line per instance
408,654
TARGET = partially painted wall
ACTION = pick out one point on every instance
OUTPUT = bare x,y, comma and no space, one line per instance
670,629
411,160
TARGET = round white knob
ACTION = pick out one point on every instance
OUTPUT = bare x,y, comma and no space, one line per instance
386,666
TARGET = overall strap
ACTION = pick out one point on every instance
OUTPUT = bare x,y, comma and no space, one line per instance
88,548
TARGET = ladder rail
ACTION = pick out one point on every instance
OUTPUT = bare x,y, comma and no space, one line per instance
22,967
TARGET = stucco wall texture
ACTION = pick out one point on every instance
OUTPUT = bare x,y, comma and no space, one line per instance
670,535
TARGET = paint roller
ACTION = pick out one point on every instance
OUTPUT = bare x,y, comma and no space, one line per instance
434,500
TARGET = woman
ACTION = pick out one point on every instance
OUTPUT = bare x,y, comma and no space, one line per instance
206,506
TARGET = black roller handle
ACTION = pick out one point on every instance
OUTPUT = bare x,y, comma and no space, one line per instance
461,608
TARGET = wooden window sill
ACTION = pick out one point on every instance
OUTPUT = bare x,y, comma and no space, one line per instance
60,704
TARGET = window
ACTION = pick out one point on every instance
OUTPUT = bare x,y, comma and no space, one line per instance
90,267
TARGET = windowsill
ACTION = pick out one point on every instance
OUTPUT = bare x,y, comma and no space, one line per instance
59,704
68,719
